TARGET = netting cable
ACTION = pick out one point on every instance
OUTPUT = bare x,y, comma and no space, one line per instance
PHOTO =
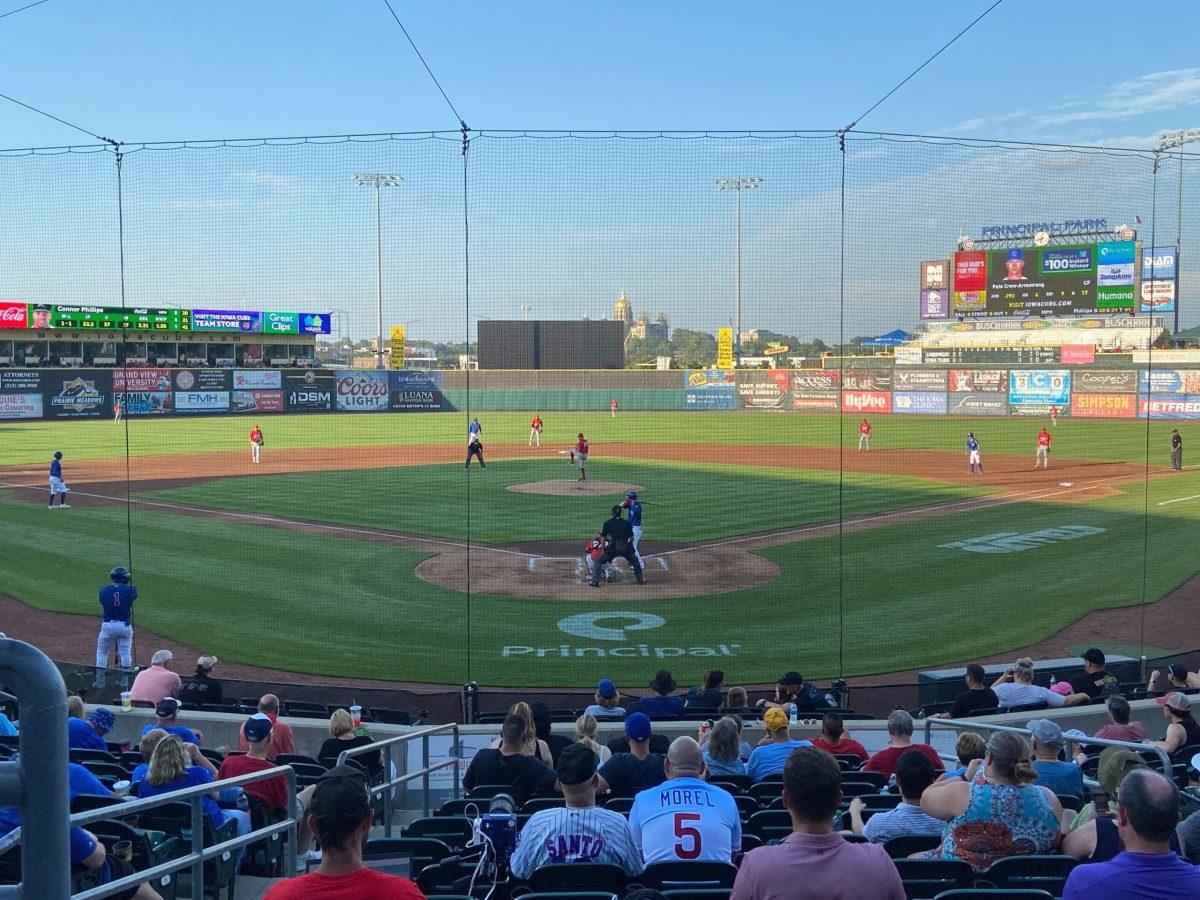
13,12
124,361
841,432
1146,449
434,78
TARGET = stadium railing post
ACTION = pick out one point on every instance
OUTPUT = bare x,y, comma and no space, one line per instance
198,845
387,806
425,768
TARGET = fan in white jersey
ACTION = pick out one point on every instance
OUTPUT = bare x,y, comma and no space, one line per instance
580,832
685,818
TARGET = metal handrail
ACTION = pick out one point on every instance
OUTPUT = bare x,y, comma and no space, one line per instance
969,725
390,783
199,854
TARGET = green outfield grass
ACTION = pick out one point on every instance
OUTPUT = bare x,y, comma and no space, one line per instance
684,501
33,442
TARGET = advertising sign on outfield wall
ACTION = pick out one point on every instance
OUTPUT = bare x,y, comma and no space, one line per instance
202,401
416,390
815,402
257,401
867,401
146,403
141,380
1090,381
1039,387
907,356
72,394
1078,354
20,406
920,380
815,381
1103,406
362,392
1181,407
1169,381
202,380
20,381
309,391
975,404
256,379
989,381
764,389
919,402
867,380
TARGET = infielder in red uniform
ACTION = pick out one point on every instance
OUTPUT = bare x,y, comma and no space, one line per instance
580,452
1043,449
256,442
612,407
535,430
864,435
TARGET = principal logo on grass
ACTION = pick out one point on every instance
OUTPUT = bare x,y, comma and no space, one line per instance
1015,542
614,626
587,625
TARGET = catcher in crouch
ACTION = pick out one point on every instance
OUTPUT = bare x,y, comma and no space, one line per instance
592,551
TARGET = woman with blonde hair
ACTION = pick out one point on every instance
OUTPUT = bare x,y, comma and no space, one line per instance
1015,687
346,737
174,766
996,809
585,733
722,748
533,745
75,708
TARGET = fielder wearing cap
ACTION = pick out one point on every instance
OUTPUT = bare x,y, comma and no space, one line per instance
768,758
1014,265
579,832
116,625
1182,728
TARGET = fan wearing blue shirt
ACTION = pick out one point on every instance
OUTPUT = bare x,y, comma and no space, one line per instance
88,734
1065,778
769,756
165,718
662,703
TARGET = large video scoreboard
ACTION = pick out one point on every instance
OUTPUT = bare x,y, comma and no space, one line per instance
44,317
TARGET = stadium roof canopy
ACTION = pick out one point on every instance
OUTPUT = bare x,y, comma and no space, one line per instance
891,339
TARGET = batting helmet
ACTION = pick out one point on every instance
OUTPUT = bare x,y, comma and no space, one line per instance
58,454
120,575
632,495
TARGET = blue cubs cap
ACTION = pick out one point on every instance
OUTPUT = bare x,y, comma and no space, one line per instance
606,688
1015,253
102,719
258,728
637,727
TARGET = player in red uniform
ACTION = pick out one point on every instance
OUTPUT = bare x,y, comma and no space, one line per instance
613,407
580,452
256,442
1043,449
535,430
118,410
1054,415
592,550
864,435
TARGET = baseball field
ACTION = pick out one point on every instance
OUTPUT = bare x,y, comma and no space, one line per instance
360,546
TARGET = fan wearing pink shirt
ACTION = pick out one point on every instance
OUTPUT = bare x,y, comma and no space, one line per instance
1119,728
157,683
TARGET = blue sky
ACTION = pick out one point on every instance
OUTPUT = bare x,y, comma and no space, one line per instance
565,225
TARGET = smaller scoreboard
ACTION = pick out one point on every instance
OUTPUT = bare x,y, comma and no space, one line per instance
111,318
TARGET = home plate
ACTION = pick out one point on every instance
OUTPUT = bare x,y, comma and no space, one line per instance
1066,484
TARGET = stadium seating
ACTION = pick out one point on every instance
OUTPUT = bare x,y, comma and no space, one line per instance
578,876
927,878
677,875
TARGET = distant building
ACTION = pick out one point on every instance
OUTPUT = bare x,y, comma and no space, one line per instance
641,327
623,310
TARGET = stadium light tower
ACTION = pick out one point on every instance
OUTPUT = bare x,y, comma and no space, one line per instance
378,181
738,183
1175,140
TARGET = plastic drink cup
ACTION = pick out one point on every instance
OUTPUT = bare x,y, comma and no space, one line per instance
356,715
123,850
126,701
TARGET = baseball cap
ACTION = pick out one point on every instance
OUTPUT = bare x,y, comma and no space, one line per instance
1062,687
1045,731
775,719
576,764
1014,253
58,454
340,791
167,707
102,719
1112,765
606,688
1178,672
637,727
792,677
1175,701
258,728
1094,655
206,662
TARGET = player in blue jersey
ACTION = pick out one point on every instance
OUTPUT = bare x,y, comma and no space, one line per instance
973,457
58,487
634,506
685,818
116,629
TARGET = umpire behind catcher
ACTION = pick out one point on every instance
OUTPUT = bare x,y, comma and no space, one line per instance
620,543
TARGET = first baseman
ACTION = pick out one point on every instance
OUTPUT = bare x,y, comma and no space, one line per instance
58,487
116,599
973,456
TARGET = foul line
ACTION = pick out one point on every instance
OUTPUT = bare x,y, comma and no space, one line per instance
1180,500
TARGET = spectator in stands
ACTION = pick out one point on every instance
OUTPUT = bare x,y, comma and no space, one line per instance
663,703
75,707
620,744
1063,778
814,855
996,810
1189,835
273,792
768,758
1147,813
1182,729
543,725
1178,678
737,698
157,682
967,748
165,717
628,773
835,740
794,695
579,832
150,740
88,734
86,851
977,696
1115,763
1096,681
509,765
340,814
714,826
175,766
608,701
900,730
531,746
282,738
585,733
202,689
709,694
1015,687
722,748
344,736
914,773
1119,728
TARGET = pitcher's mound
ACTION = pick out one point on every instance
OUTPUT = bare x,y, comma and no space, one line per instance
565,487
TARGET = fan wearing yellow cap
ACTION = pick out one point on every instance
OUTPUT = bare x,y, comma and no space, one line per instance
772,751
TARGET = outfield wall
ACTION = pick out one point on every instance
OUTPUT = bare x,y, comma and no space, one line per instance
1112,389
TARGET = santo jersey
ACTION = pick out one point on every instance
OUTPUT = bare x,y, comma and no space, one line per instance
686,819
972,444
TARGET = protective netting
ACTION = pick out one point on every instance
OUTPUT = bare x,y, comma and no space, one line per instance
360,548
